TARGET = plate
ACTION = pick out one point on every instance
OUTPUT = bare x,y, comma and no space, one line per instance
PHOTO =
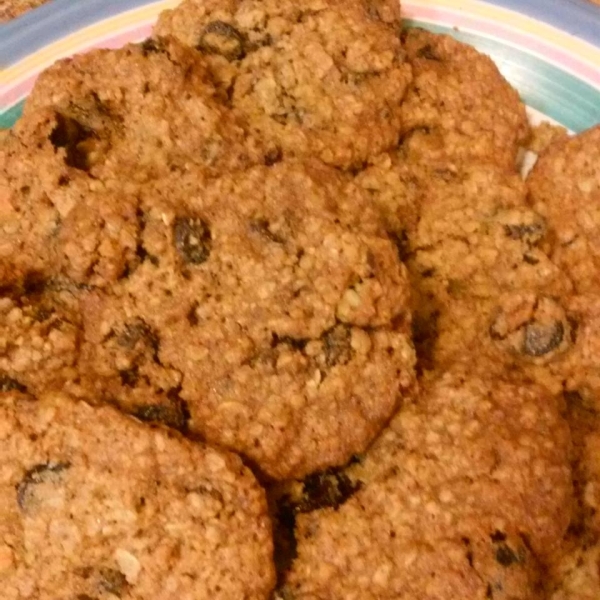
549,51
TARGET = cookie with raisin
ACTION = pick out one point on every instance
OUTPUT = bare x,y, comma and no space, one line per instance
94,504
447,503
273,304
311,78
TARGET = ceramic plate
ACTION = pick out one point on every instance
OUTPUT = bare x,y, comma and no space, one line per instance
549,51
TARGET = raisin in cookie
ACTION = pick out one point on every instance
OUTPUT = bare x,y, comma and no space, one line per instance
564,186
459,107
312,78
94,504
462,496
270,302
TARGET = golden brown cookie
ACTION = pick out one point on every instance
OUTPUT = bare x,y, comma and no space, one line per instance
269,304
139,112
93,504
311,77
459,107
462,496
468,238
95,127
564,186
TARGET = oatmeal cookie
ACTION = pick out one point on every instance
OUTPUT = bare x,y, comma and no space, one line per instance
140,112
55,219
270,302
467,236
476,236
463,495
458,106
95,505
311,77
564,186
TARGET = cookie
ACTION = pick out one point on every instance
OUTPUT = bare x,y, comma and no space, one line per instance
467,236
476,236
94,504
55,219
463,495
312,78
273,305
564,186
458,106
143,110
91,144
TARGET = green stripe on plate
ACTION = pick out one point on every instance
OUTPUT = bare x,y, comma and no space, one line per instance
9,117
550,90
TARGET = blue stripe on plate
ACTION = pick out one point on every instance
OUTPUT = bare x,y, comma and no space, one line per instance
52,21
580,18
9,117
58,18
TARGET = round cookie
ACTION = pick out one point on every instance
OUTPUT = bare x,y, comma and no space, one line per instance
462,496
311,77
95,505
94,128
140,112
273,304
458,106
564,186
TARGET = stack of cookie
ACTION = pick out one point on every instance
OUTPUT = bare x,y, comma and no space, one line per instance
281,319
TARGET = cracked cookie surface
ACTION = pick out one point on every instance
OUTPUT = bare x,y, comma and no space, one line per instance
95,505
312,78
272,305
463,495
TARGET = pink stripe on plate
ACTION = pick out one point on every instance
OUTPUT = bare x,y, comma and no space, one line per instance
111,41
545,50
